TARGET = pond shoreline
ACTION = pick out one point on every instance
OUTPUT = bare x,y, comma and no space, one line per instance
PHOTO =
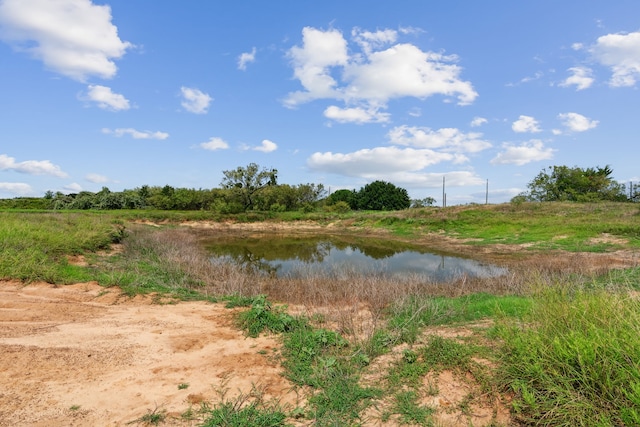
506,255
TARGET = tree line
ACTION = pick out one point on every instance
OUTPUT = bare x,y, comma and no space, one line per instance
254,188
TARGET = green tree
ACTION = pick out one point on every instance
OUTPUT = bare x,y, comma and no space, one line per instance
423,203
347,196
245,182
382,196
562,183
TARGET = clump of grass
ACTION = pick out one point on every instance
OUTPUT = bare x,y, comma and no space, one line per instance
250,409
574,361
409,411
263,316
246,409
154,417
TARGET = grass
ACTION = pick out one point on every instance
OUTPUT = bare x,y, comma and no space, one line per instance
574,361
564,345
36,246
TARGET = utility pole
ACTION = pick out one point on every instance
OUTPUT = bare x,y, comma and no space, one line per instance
444,195
486,198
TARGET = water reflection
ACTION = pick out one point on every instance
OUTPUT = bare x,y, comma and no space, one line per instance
293,256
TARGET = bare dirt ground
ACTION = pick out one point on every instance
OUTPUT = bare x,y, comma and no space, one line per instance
83,355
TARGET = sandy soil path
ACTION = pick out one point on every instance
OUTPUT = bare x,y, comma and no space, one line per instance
83,355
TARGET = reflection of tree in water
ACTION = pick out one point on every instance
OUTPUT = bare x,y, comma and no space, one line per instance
260,254
263,254
375,251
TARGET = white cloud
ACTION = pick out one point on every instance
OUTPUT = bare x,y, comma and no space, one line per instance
621,53
403,166
575,122
96,178
320,50
478,121
531,151
214,144
369,41
17,188
415,112
31,167
526,124
266,146
246,58
106,99
581,77
445,139
74,38
74,187
136,134
405,70
327,70
357,115
527,79
379,161
194,100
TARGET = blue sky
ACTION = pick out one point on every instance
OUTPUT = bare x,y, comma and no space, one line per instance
127,93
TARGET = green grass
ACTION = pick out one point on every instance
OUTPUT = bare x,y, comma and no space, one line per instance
576,359
409,317
409,411
34,246
245,412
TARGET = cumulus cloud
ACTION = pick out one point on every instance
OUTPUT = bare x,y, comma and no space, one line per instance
31,167
320,51
531,151
356,115
96,178
194,100
75,38
526,124
478,121
17,188
621,53
214,144
74,187
581,78
575,122
370,163
382,70
266,146
445,139
136,134
106,98
413,150
246,58
403,166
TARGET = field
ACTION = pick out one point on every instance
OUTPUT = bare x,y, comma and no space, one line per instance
119,318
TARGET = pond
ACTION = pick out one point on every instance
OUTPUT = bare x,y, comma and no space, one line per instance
295,256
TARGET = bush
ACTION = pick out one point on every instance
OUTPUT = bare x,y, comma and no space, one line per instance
382,196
